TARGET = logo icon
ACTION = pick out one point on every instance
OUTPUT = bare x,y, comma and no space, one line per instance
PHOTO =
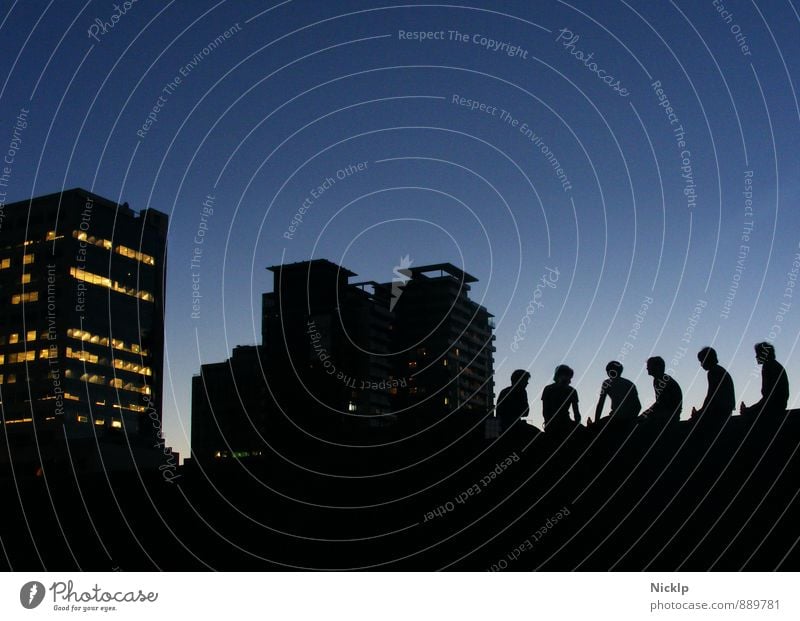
402,274
31,594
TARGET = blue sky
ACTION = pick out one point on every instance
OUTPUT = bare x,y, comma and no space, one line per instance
299,91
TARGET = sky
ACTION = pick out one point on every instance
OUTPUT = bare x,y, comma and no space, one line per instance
620,177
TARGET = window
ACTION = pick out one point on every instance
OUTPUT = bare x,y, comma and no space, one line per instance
104,281
5,264
83,419
13,338
26,278
81,355
2,359
22,356
31,296
27,259
116,424
30,335
12,378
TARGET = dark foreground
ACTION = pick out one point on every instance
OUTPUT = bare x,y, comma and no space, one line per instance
624,499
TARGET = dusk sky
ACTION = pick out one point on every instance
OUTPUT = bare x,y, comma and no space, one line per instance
640,157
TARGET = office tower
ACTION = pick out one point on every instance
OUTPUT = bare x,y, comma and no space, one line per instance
81,331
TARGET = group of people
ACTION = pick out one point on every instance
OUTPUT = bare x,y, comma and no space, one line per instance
560,398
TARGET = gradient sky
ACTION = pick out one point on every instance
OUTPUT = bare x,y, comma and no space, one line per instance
302,89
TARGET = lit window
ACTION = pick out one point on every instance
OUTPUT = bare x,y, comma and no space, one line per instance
26,278
447,401
13,338
5,264
1,379
12,378
83,419
106,282
30,335
82,355
412,364
99,421
51,235
116,424
2,359
31,296
27,259
351,407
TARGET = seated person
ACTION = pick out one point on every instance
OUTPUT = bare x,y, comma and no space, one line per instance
669,398
720,399
512,403
774,385
625,405
557,398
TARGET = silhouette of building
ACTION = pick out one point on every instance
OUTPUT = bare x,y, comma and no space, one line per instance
230,402
81,330
339,350
444,340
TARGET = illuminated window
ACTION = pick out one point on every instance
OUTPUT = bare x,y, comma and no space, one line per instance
22,356
447,401
116,424
130,366
12,378
30,335
31,296
1,379
83,419
5,264
444,362
99,421
51,235
351,407
71,397
27,259
49,352
121,250
2,359
82,355
26,278
83,335
103,281
93,378
13,338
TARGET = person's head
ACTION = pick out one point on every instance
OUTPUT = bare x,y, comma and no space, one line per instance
519,378
764,352
708,358
614,369
656,366
563,374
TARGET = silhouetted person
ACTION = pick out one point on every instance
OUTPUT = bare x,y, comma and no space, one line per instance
512,404
774,385
625,405
669,398
720,399
557,398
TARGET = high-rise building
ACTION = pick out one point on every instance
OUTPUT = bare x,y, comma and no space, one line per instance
334,351
444,342
82,283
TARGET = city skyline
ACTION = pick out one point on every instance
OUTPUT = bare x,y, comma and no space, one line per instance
499,143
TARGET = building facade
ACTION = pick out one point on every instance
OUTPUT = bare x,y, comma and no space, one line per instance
82,282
